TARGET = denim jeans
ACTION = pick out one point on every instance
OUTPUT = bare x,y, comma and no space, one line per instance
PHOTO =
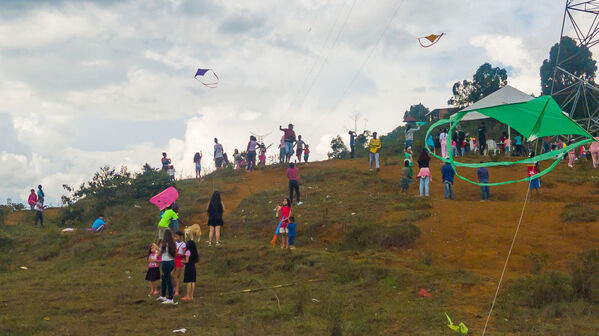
424,181
485,192
374,158
448,189
167,268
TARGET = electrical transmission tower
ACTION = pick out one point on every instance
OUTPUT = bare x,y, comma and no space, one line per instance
260,138
578,96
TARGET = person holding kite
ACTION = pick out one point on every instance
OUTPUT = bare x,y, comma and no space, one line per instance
285,209
215,211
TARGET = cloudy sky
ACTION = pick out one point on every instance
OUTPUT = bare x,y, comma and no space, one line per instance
88,83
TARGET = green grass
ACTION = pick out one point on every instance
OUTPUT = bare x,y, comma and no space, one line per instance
578,212
85,283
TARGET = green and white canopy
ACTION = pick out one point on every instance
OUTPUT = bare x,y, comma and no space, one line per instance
531,117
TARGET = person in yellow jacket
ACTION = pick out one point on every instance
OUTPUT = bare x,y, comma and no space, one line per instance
374,145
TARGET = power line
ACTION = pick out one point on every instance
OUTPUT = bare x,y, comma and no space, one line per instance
351,82
324,61
316,59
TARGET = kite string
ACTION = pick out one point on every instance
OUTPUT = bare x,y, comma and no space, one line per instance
506,262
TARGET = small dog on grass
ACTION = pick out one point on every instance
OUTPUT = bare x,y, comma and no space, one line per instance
193,232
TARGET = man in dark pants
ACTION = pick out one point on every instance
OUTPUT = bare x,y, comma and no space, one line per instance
482,138
292,174
352,141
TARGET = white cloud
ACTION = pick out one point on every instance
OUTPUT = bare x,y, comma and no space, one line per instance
64,64
510,51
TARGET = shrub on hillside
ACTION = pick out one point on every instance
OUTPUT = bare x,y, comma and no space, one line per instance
378,236
585,275
543,289
578,212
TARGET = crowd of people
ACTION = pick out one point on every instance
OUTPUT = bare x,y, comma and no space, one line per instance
252,157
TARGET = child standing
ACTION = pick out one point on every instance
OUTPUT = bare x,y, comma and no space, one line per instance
39,208
291,232
507,143
180,246
571,155
171,172
535,184
197,159
285,216
405,176
306,153
483,177
448,173
189,275
153,274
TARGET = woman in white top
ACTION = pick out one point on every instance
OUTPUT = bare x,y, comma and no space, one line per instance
167,254
443,141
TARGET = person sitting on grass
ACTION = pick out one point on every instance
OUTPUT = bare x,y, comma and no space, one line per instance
98,224
189,275
291,232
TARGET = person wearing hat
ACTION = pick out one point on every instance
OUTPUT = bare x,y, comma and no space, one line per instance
289,135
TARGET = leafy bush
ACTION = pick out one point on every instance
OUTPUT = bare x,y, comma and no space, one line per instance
577,212
543,289
399,236
376,236
585,275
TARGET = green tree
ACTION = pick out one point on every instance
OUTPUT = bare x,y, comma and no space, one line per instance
339,149
418,112
485,81
577,60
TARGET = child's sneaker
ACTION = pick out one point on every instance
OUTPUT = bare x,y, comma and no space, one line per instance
161,298
209,243
292,247
169,302
217,243
300,203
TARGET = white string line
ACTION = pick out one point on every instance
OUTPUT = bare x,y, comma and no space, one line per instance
316,59
324,61
506,262
374,47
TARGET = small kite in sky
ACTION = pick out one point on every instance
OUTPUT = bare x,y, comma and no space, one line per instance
430,40
207,77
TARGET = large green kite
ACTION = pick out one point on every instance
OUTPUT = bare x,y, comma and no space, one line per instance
535,118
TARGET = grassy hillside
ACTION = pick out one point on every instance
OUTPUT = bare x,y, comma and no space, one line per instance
364,252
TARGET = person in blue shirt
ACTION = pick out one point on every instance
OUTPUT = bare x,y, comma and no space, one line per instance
291,232
98,224
483,177
352,141
448,173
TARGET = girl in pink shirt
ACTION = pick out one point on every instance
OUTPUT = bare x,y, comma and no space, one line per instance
153,274
285,214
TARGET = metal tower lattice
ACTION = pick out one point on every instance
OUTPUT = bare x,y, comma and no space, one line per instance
581,16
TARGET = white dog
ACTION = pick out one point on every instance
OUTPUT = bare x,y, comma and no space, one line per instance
193,232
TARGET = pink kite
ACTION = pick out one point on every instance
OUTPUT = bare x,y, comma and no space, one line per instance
165,198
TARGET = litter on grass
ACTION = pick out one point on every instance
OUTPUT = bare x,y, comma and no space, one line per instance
67,230
24,268
182,330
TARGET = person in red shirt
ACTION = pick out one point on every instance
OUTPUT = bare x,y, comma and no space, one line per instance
32,199
285,214
293,176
